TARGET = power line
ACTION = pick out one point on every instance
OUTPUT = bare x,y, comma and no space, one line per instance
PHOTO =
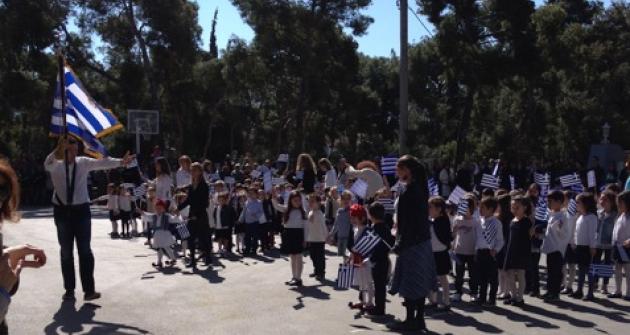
417,18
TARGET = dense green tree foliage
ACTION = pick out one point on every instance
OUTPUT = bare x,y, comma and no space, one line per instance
498,77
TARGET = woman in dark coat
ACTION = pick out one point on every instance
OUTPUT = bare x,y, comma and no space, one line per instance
198,201
414,273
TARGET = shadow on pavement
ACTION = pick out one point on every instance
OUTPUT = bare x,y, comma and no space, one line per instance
70,320
309,292
460,320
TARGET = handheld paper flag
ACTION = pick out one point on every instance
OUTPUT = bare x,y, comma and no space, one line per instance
490,181
456,196
591,180
434,189
359,188
388,165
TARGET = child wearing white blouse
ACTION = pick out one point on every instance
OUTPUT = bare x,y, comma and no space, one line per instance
584,242
621,245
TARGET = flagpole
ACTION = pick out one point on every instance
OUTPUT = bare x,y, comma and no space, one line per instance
62,89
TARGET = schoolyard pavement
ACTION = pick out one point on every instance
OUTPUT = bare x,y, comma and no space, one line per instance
244,296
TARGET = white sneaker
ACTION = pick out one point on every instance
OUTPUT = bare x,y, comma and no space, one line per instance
456,297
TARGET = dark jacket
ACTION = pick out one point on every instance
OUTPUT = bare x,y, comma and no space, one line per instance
198,201
308,181
413,222
228,216
518,252
380,256
442,229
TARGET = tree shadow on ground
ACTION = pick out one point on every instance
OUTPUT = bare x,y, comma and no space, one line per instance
69,320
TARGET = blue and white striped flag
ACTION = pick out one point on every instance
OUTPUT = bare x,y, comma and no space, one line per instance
85,119
542,212
434,189
512,183
388,165
345,276
542,178
495,171
601,270
462,208
570,180
457,195
490,181
366,244
572,207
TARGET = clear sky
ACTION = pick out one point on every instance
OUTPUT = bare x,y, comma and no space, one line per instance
381,38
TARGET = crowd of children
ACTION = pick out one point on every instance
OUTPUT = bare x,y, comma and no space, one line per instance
493,237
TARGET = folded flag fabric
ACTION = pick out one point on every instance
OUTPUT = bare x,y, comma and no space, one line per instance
572,207
388,165
456,196
495,171
542,178
601,270
366,244
434,189
512,183
85,119
490,181
570,180
542,212
345,276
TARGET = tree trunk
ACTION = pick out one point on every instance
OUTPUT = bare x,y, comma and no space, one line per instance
464,125
146,61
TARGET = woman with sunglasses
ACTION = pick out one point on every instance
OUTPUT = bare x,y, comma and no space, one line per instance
13,259
71,201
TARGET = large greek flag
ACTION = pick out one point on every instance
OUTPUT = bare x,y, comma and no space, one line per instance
85,119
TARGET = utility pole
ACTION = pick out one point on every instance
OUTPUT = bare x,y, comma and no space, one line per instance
403,115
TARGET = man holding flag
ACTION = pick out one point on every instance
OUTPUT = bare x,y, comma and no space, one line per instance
77,117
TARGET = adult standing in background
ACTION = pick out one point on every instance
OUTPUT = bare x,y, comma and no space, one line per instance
330,175
306,167
69,174
182,176
13,258
197,198
414,273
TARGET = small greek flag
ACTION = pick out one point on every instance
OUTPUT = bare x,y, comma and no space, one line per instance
140,191
542,212
490,181
490,231
182,230
577,188
345,276
366,244
601,270
388,165
570,180
388,204
544,190
542,178
457,195
462,208
434,189
85,119
572,207
512,183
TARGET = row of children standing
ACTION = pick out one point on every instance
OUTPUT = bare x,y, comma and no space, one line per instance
498,240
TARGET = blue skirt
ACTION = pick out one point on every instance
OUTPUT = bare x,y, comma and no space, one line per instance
414,273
